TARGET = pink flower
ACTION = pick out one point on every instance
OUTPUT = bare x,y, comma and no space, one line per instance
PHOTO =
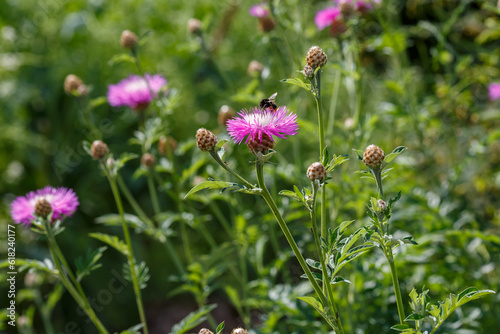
134,92
494,91
62,200
257,122
326,17
259,10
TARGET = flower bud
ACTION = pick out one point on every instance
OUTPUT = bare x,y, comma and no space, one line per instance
346,7
373,157
205,140
148,160
128,39
99,149
316,57
338,27
382,205
255,68
239,330
42,208
316,172
166,144
205,331
266,24
308,72
225,114
194,26
255,145
73,84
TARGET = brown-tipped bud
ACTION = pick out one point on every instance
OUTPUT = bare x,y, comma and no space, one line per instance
266,24
99,149
148,160
316,172
239,330
338,27
347,8
263,146
255,68
166,144
373,156
205,140
382,205
128,39
316,57
205,331
72,84
308,72
194,26
225,114
42,208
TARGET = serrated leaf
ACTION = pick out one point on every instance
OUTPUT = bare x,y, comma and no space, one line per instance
336,161
192,320
141,272
313,264
111,240
89,263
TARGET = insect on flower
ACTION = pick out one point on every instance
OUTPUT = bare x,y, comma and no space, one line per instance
269,103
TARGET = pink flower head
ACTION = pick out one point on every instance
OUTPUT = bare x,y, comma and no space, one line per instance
326,17
260,10
364,6
62,200
134,92
494,91
256,122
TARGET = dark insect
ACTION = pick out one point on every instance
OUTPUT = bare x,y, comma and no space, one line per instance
269,103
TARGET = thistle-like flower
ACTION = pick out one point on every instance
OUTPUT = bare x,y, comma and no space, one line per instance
262,125
136,92
261,11
316,57
494,91
205,331
239,330
61,201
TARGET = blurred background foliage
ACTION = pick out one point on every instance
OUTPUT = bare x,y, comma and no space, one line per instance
426,66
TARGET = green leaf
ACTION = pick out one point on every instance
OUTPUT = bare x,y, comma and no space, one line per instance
400,327
297,82
23,264
209,185
123,57
99,101
221,142
339,279
289,193
391,156
313,264
414,317
192,320
220,328
336,161
111,240
141,272
133,330
89,263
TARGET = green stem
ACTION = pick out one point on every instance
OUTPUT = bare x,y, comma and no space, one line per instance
216,157
44,314
395,282
154,195
377,173
133,203
130,253
288,235
80,299
326,280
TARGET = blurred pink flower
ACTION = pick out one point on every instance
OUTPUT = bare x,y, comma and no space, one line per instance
326,17
259,10
257,122
494,91
62,200
134,92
